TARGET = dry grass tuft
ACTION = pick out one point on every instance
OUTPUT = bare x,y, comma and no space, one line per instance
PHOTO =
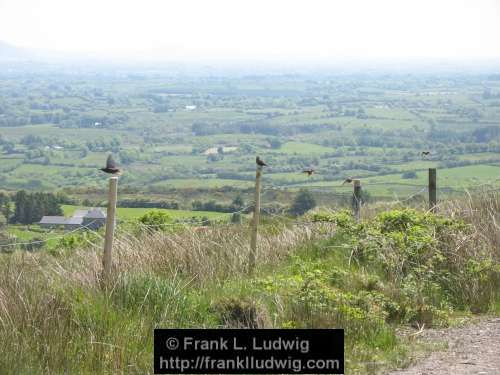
214,254
482,212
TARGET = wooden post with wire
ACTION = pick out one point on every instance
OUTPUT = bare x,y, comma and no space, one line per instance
255,222
432,189
110,229
356,200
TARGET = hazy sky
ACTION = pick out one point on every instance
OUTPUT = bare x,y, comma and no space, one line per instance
257,29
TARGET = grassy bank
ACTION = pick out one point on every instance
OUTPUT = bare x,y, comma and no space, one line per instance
401,267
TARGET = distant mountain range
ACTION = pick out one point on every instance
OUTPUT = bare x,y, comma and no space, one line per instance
10,53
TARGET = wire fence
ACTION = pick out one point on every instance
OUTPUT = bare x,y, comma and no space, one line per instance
86,226
408,198
266,209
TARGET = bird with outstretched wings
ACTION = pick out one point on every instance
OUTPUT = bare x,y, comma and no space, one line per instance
111,167
309,171
348,180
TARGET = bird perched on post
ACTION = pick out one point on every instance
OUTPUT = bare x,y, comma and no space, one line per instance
309,171
348,180
260,162
426,153
111,167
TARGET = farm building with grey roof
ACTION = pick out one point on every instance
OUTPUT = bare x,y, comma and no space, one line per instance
92,219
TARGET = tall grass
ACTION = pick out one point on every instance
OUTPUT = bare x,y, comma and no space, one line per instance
482,211
477,251
213,254
55,318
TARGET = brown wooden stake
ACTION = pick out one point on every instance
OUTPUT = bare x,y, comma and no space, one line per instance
255,222
110,229
356,200
432,189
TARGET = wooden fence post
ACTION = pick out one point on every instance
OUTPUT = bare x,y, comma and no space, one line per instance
255,222
110,229
356,200
432,189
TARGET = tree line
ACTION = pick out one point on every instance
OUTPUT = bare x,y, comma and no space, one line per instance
28,208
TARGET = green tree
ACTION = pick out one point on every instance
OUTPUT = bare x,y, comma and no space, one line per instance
5,207
30,207
238,202
304,201
20,213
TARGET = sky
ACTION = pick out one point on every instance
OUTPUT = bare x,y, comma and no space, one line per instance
301,30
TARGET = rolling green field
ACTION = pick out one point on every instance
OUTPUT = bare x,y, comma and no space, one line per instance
163,130
304,148
455,178
203,183
394,186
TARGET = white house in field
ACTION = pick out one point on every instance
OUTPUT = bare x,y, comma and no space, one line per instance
93,218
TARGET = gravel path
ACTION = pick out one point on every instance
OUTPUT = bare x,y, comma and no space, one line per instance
472,350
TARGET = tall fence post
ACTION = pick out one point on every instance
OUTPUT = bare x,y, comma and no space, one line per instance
110,229
255,222
432,189
356,200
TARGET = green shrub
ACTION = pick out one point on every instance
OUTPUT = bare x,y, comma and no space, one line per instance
156,220
77,240
415,253
342,219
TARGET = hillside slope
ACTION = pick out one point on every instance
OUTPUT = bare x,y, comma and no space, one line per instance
399,268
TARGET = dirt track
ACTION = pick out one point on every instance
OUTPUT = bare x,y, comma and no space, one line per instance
471,350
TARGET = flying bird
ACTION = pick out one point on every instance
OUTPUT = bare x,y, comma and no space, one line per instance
260,162
309,171
111,167
348,180
426,153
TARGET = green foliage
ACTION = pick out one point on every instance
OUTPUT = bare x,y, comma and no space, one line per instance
6,241
303,202
411,250
78,240
31,207
342,218
5,207
318,292
155,219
